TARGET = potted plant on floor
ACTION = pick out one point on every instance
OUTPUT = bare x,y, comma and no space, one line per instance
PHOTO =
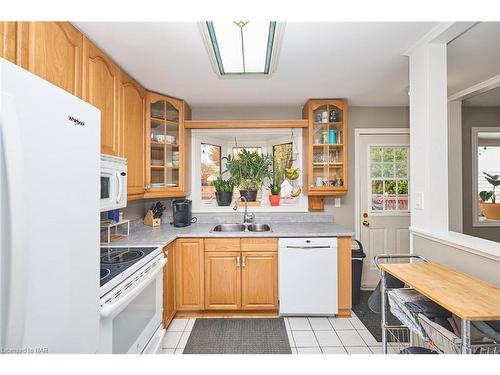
248,171
223,191
490,210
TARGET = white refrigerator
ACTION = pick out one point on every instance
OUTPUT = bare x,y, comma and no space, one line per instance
49,223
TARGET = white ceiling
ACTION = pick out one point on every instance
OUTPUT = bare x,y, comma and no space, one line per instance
474,56
362,62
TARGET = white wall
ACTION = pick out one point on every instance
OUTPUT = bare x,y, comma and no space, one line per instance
429,164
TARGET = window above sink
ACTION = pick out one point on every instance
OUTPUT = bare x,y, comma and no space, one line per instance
208,149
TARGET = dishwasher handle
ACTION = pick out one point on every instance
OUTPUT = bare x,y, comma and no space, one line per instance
310,247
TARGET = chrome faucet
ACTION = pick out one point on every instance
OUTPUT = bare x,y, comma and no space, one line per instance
248,217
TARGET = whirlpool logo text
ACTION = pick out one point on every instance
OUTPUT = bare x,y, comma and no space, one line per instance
76,121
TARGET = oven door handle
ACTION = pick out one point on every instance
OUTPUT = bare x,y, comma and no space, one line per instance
108,310
119,193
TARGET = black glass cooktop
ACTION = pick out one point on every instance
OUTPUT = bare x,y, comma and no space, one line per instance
115,260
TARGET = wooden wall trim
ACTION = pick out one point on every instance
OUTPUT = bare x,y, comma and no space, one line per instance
344,277
244,124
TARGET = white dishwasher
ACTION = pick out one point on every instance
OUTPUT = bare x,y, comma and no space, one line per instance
308,276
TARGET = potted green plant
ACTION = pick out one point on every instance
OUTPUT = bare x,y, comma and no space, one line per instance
223,191
248,171
275,196
490,210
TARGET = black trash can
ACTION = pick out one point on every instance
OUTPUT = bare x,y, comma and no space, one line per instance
357,267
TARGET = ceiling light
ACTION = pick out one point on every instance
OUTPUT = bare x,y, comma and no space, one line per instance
242,47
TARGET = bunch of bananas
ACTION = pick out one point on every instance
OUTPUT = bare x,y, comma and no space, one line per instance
292,173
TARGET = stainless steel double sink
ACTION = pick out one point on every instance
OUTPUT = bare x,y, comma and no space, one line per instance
242,228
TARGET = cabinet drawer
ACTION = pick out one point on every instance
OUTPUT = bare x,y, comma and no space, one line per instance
222,244
259,244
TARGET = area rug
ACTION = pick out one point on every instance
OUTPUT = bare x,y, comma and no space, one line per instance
370,319
238,336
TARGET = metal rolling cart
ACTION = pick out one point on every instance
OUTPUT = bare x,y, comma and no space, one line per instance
398,335
432,280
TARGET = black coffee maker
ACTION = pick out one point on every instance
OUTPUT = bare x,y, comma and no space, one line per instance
181,209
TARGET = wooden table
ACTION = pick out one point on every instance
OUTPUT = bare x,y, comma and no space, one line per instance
469,298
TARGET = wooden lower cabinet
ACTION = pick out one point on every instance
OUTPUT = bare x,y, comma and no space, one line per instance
169,309
189,274
259,280
241,280
222,280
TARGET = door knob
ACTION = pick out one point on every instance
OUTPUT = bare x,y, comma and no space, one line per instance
366,223
365,215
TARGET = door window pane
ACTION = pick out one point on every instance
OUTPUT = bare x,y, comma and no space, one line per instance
401,170
389,170
376,154
389,178
376,170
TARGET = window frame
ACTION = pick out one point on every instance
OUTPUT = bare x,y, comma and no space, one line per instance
220,137
475,174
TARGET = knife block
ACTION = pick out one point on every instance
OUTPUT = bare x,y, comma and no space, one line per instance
150,220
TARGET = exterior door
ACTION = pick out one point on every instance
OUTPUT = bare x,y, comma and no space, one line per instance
222,280
259,280
384,194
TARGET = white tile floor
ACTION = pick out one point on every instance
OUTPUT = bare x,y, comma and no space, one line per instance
306,336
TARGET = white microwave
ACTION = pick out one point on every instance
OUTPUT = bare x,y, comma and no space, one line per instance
113,182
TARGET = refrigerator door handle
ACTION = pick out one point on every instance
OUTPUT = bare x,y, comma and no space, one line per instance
15,230
119,193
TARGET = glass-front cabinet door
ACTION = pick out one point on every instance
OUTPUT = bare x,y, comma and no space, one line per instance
327,160
165,151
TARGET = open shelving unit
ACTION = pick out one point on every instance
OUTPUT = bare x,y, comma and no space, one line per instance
326,146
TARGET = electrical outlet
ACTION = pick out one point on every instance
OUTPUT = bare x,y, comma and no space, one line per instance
337,202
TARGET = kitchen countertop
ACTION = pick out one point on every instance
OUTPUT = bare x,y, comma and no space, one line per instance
143,235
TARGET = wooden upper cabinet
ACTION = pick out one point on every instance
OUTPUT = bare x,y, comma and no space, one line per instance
53,51
189,274
132,117
259,280
167,145
101,86
222,280
8,41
